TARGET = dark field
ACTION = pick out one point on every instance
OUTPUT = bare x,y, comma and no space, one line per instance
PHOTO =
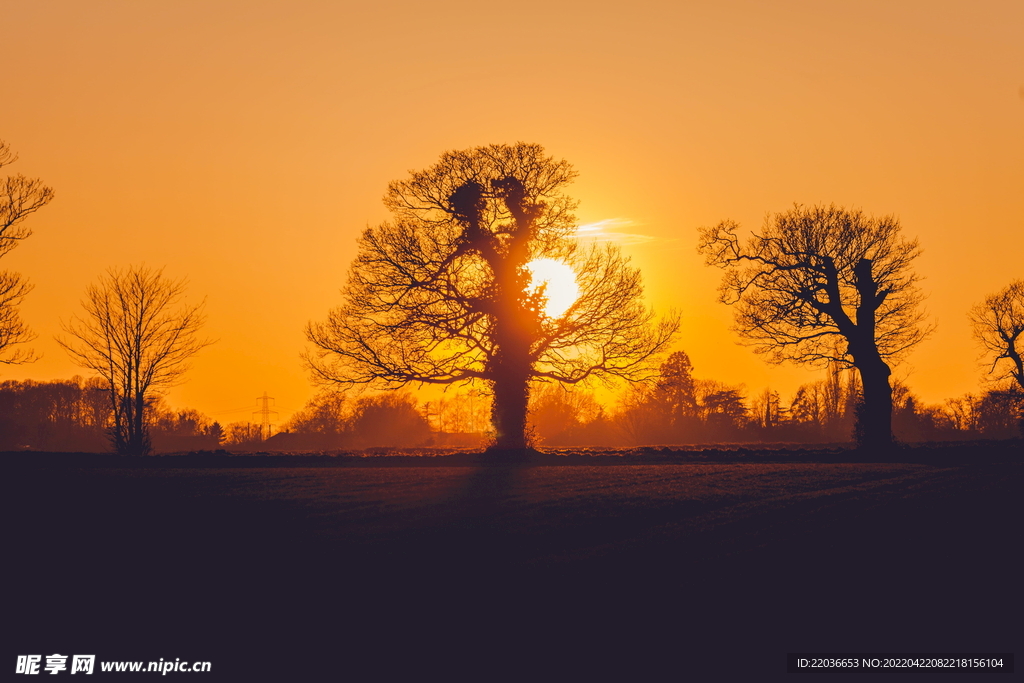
513,571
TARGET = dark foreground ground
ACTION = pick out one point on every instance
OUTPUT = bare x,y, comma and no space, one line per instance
664,571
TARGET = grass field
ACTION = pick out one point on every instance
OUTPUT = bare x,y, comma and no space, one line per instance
484,572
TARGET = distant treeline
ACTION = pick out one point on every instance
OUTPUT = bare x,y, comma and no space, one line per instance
681,409
75,415
676,408
333,420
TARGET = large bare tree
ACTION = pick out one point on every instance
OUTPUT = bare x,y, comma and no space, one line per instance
442,294
998,324
138,334
823,285
19,197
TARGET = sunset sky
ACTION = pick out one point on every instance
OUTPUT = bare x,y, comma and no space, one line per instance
244,145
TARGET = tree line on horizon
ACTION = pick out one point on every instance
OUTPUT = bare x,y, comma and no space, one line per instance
441,295
678,409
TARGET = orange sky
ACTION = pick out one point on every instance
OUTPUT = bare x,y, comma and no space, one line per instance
245,145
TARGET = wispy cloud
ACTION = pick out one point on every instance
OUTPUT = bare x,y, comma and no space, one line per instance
616,230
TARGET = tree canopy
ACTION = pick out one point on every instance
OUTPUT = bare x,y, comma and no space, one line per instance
138,335
822,285
998,324
442,293
19,197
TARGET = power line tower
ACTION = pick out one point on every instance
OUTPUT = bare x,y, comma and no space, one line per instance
264,413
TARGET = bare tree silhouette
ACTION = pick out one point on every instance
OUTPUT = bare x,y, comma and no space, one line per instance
442,294
999,327
19,197
826,285
137,341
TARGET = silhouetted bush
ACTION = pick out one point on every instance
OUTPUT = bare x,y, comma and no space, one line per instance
331,421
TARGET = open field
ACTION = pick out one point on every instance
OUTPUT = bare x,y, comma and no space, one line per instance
502,569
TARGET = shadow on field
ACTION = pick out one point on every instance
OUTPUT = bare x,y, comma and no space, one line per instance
511,571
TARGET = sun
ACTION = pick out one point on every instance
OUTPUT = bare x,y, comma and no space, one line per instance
561,290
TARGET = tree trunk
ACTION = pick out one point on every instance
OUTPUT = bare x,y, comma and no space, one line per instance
139,426
117,432
131,435
516,324
512,367
511,397
874,414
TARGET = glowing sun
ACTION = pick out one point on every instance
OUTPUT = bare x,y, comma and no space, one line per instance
561,290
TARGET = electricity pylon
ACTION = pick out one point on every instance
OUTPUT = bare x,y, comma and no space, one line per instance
264,413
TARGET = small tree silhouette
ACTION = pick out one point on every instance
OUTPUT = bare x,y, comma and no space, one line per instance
677,390
826,285
19,197
999,327
442,295
137,341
